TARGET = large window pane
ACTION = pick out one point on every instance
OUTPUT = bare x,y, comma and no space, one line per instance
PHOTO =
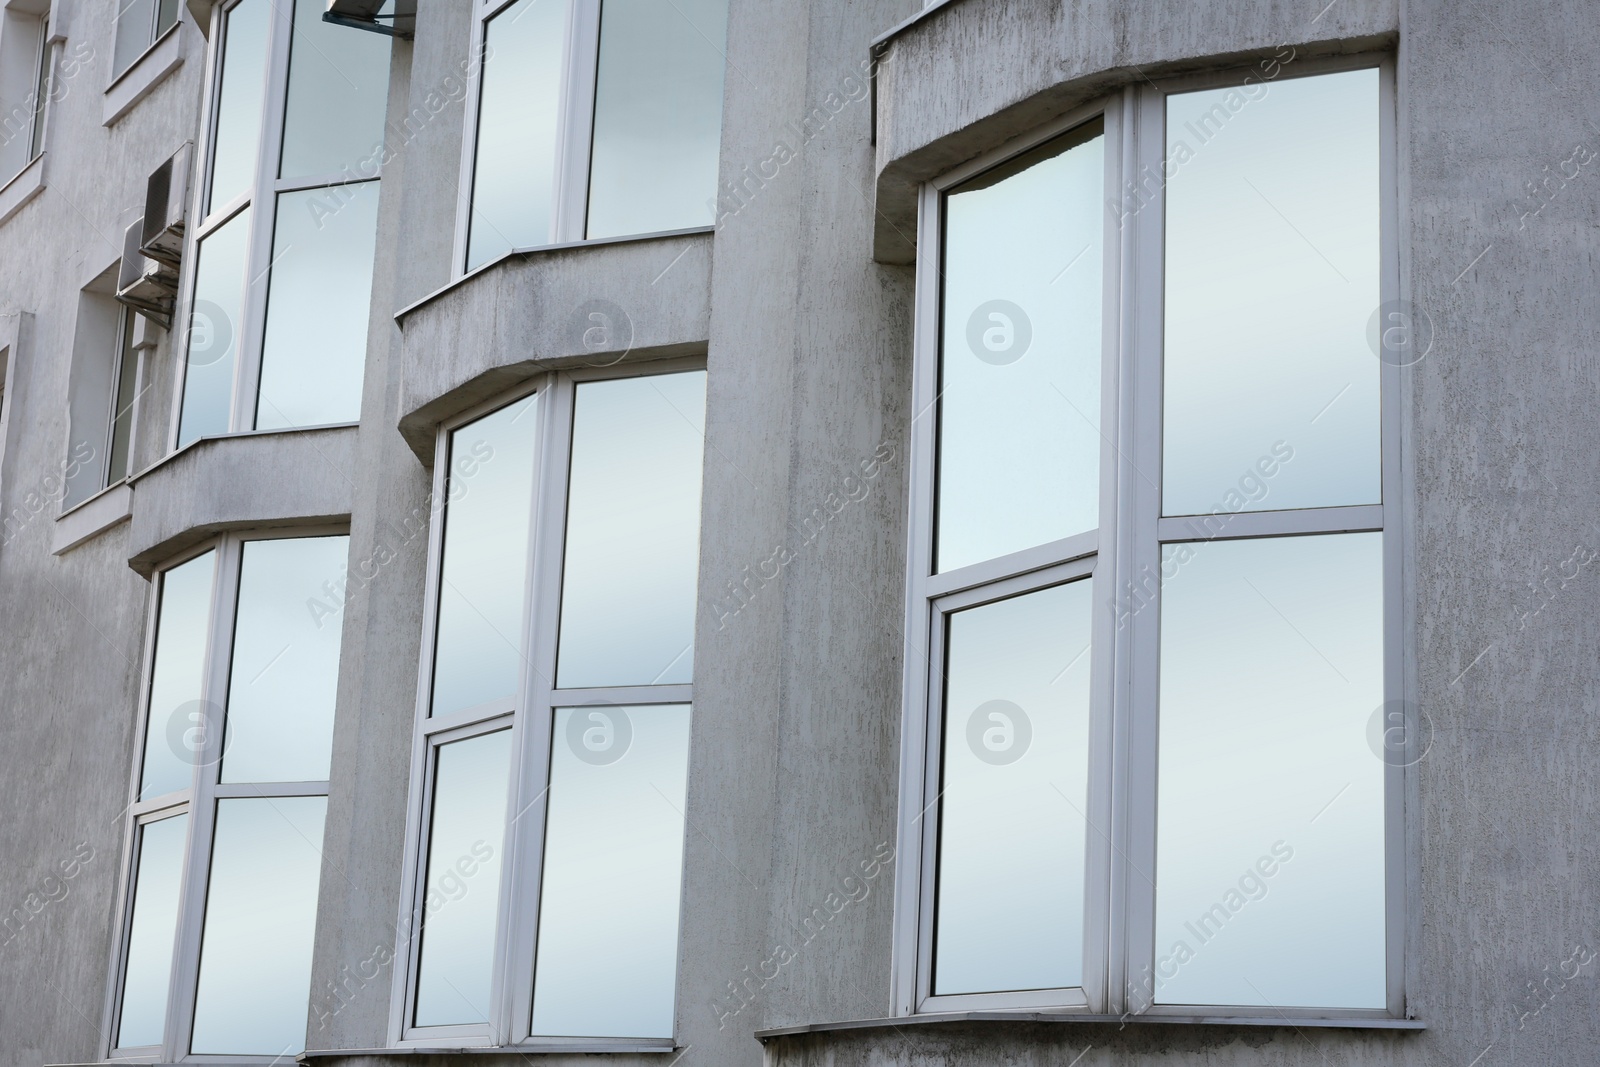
134,21
214,323
120,445
613,866
175,727
1015,790
1271,281
261,911
338,91
1269,867
319,300
657,116
462,893
285,661
478,651
520,104
239,112
633,532
152,932
1019,408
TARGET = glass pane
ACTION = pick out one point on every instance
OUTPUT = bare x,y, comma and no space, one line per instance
462,892
1271,281
1015,790
633,532
285,660
513,183
1019,408
338,92
175,729
1269,862
478,653
152,932
41,93
315,350
239,114
657,116
122,404
166,16
261,914
613,848
214,327
134,19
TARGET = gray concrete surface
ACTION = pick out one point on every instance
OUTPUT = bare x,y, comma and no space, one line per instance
801,301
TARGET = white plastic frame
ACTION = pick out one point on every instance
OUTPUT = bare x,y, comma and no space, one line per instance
531,718
1119,901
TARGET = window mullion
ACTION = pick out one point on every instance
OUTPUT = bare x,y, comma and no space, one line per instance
202,809
541,609
569,217
248,346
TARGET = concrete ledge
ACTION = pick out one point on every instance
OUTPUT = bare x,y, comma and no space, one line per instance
28,184
91,518
147,72
243,481
1018,1018
963,78
594,303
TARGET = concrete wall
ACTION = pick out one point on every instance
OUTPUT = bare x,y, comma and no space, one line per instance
801,301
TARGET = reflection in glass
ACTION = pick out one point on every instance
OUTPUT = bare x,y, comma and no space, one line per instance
1271,280
175,726
123,397
462,892
214,325
633,532
318,302
478,651
285,660
513,184
657,116
338,91
261,912
1019,409
134,19
239,112
1269,863
1015,789
613,866
152,932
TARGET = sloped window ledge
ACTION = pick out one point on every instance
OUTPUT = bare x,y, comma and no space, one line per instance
28,184
140,80
1010,1018
92,518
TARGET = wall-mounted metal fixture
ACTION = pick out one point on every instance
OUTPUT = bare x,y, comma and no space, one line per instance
152,248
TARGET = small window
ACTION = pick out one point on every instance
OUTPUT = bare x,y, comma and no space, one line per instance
140,24
1154,509
105,385
594,119
24,85
282,259
558,688
225,824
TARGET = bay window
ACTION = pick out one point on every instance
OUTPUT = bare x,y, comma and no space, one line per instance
1153,601
551,754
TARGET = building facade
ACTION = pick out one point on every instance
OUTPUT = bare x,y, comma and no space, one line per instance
999,531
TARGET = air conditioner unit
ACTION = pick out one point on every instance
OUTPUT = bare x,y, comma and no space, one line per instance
399,20
166,207
148,286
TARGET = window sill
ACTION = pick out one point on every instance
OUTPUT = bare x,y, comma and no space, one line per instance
148,71
88,520
28,183
1009,1018
585,1045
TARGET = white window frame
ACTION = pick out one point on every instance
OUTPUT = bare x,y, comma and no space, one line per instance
1119,903
530,718
198,801
262,200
